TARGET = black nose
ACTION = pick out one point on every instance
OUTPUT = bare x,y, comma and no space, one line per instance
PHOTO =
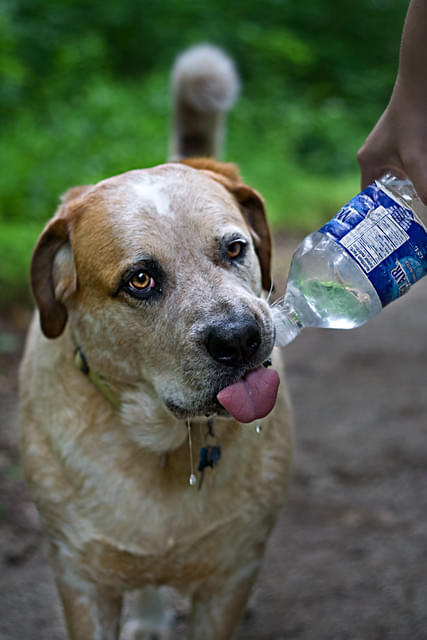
233,343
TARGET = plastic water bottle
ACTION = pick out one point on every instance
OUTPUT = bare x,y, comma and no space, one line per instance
368,255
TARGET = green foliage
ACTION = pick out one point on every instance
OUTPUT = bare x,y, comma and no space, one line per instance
108,128
17,240
84,95
300,196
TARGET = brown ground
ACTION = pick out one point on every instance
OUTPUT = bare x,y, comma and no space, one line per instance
348,558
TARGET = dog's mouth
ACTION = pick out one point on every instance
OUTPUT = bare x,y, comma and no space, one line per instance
251,397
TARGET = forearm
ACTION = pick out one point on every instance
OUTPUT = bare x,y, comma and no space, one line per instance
398,142
412,73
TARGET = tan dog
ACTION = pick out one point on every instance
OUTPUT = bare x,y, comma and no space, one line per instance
155,278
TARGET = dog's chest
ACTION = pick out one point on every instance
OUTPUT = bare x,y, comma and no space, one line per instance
180,543
152,527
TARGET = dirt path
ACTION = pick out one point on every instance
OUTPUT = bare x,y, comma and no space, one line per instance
348,558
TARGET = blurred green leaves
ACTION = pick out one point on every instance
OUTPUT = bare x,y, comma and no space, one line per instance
276,45
50,48
84,95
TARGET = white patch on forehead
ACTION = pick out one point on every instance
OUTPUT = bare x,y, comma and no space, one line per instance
155,193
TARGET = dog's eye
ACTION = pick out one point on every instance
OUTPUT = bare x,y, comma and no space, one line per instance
141,282
235,249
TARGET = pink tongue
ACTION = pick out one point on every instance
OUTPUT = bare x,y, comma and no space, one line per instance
253,397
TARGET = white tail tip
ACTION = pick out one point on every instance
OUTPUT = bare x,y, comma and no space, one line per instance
205,78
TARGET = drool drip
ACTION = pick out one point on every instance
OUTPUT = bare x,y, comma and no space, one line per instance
192,480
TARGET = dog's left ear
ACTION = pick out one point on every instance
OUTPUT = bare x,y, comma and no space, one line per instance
251,204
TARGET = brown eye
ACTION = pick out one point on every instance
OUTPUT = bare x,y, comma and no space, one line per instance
235,249
141,281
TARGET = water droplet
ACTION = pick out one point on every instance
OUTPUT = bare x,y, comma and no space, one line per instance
192,480
258,428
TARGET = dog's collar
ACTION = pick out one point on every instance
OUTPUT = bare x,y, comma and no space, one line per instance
97,379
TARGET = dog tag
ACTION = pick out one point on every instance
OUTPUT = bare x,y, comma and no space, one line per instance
209,457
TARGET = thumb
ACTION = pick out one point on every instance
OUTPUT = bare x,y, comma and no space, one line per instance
375,159
369,174
378,153
370,169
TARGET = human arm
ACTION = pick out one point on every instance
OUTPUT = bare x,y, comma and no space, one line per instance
398,142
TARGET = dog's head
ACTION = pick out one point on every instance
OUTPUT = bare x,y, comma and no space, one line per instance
159,273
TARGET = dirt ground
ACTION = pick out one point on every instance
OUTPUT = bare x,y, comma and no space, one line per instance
348,558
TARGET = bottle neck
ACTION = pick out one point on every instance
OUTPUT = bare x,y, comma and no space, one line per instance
287,324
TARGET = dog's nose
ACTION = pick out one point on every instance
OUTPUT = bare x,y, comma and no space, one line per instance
235,343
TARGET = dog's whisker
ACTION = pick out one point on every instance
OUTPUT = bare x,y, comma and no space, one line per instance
276,303
269,294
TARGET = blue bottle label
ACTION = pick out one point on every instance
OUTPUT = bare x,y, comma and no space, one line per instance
387,240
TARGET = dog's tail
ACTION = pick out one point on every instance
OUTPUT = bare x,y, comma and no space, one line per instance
205,85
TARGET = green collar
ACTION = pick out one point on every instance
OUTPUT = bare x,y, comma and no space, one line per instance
97,379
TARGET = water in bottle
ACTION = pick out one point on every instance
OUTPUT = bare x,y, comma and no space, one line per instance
368,255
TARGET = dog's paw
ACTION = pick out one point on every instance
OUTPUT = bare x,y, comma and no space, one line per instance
149,615
140,630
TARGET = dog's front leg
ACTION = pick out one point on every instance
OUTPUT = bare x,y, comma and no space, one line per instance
91,612
218,608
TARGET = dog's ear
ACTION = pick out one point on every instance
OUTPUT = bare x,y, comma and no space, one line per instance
53,272
53,276
74,193
251,205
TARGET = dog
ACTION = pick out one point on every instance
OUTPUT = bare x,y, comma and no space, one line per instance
155,442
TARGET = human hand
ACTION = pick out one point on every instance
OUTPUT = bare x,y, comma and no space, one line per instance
397,143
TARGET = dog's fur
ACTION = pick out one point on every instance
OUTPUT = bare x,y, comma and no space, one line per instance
112,485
